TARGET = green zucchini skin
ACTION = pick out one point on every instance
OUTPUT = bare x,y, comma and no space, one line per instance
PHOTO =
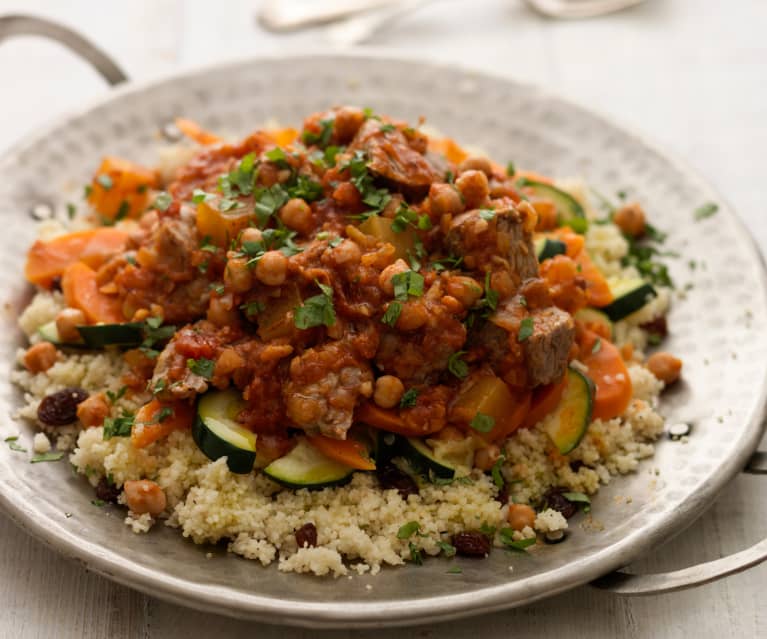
596,316
307,467
629,295
570,421
568,208
101,335
50,333
546,248
423,460
217,434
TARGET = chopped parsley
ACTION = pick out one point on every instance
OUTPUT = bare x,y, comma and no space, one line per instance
306,189
118,426
162,202
277,155
409,398
122,211
241,180
526,328
487,214
375,198
71,210
495,472
507,539
706,210
164,414
99,503
415,554
642,255
579,498
597,346
105,181
159,386
387,128
47,457
271,240
114,396
446,548
457,366
14,445
454,570
317,310
408,530
203,367
482,423
447,263
449,177
253,308
510,169
198,195
320,139
269,201
207,246
392,313
407,283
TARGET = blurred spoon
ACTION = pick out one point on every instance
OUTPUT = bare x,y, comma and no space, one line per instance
573,9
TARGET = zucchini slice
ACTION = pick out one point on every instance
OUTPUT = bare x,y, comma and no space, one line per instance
217,433
100,335
629,295
568,208
547,247
567,425
307,467
49,332
595,316
423,459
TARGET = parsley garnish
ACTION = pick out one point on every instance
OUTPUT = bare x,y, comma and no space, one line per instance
449,177
507,539
408,530
320,139
123,211
162,201
317,310
706,210
306,189
71,210
269,201
253,308
113,397
447,549
14,445
415,554
496,472
457,366
203,367
164,414
159,386
579,498
241,180
482,423
198,195
46,457
510,169
454,570
407,283
387,128
105,181
526,328
373,197
392,313
99,503
597,345
409,398
641,254
118,426
207,245
277,155
487,214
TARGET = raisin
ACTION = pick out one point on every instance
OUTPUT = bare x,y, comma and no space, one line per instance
306,536
60,409
106,491
471,544
576,465
389,476
657,327
556,500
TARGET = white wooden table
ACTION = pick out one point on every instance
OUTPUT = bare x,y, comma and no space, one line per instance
689,73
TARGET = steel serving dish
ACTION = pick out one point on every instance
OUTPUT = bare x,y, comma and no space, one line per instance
716,329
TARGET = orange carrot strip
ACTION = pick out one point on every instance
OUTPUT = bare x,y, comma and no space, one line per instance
545,401
47,260
609,374
195,132
390,420
81,290
120,188
346,451
157,420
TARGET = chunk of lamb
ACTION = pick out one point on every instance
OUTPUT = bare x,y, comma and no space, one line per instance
503,242
392,157
173,378
324,385
539,359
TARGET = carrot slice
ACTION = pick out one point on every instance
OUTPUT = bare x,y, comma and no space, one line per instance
283,137
609,374
157,420
120,188
346,451
81,290
545,400
195,132
448,147
47,260
391,421
597,290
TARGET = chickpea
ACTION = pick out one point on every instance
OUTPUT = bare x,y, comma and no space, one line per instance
450,434
228,362
221,311
630,219
347,121
465,289
451,304
520,516
476,163
272,268
501,283
412,317
445,200
348,253
485,458
665,367
40,357
384,279
388,391
474,187
92,411
297,215
67,322
237,275
144,496
251,234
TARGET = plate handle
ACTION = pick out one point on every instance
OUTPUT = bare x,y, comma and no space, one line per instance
21,25
624,583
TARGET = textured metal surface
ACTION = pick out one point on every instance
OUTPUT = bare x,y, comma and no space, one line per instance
716,330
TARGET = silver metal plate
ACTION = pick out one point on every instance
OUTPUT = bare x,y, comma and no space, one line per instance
717,330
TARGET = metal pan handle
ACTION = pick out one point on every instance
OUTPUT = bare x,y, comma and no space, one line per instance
624,583
21,25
